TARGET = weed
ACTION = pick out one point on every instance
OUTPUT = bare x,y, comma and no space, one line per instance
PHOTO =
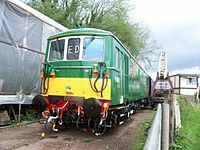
145,126
179,141
29,115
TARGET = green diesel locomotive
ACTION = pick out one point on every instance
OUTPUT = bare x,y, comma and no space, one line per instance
89,78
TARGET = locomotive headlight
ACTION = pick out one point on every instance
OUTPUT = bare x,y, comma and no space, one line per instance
68,89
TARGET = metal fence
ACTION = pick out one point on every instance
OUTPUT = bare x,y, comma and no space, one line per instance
161,133
153,141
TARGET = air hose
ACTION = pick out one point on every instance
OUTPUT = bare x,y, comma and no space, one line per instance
45,90
46,77
101,74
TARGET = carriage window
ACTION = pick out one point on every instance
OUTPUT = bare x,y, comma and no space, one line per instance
57,50
73,49
93,48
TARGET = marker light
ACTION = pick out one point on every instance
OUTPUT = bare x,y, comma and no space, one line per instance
53,74
95,72
107,74
42,74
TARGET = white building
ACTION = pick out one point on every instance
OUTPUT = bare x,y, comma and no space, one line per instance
184,84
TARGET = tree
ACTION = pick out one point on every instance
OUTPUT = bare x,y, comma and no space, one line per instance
111,15
149,53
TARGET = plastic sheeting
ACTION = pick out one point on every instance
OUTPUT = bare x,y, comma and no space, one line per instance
22,46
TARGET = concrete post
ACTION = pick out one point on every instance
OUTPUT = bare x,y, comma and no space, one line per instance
165,127
177,115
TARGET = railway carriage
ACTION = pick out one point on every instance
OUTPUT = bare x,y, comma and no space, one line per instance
90,79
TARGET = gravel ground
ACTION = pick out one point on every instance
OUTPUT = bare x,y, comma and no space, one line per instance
27,137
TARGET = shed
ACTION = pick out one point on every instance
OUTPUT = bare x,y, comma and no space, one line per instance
23,36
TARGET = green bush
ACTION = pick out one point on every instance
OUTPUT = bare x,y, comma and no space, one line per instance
29,115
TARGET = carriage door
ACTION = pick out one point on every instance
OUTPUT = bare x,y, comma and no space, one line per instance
126,76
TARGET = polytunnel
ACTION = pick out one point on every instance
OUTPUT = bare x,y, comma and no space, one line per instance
23,36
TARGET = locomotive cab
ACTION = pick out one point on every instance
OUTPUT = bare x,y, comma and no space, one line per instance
71,62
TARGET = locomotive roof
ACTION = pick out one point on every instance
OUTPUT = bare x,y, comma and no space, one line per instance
82,31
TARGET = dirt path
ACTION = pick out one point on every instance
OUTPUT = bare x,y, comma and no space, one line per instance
27,137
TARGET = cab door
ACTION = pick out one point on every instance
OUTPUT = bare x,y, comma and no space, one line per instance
120,64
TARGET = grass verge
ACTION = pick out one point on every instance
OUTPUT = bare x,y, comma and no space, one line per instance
187,138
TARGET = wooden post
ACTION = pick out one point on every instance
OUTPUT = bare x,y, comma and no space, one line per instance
13,111
165,127
179,84
171,106
166,98
19,119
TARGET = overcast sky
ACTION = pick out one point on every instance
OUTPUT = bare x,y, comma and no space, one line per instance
175,24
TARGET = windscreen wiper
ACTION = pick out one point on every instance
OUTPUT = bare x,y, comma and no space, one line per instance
89,42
